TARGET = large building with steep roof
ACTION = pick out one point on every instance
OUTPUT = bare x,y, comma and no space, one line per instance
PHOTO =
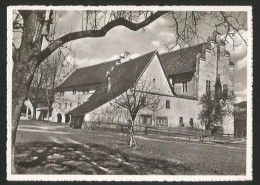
180,78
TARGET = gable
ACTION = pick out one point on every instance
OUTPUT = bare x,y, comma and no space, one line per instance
155,77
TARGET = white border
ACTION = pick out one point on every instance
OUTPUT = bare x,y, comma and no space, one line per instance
249,149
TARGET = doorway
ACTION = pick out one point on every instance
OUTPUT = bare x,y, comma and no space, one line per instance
59,118
67,118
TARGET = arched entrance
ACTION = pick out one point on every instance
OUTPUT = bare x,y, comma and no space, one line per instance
59,118
67,118
29,114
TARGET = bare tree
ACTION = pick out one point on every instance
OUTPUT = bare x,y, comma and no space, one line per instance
141,96
47,76
186,26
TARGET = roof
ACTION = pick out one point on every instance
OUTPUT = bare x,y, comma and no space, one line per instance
88,75
181,61
123,77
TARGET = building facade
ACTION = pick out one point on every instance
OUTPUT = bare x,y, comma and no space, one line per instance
180,78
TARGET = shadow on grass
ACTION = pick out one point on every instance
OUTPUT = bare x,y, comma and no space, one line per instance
54,158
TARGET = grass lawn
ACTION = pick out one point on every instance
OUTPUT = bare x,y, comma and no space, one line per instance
49,148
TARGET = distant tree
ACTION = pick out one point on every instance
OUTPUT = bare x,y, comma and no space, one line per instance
139,97
47,76
215,106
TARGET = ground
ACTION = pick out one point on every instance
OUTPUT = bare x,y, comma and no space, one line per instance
51,148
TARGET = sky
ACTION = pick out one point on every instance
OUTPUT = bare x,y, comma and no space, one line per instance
90,51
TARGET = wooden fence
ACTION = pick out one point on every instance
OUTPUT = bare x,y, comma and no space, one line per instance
187,132
165,131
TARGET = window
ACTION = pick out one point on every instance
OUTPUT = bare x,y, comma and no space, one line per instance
167,104
74,91
146,119
184,86
70,104
154,80
59,105
61,92
65,105
225,91
78,103
191,122
143,99
162,121
207,86
181,122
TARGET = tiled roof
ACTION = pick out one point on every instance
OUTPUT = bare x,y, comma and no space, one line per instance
88,75
123,77
180,61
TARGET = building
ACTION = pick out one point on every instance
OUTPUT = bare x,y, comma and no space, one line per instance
37,105
180,78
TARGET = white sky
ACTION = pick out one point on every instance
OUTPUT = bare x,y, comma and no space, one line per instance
90,51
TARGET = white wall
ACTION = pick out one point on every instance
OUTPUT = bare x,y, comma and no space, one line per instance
68,98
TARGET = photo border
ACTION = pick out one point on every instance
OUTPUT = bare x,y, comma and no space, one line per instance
191,178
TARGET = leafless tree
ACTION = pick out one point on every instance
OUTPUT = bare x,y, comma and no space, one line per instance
185,26
141,96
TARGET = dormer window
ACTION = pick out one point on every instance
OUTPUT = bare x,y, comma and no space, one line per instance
61,93
74,91
184,86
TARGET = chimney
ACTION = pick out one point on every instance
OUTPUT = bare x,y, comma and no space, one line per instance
170,81
126,54
125,57
118,62
108,75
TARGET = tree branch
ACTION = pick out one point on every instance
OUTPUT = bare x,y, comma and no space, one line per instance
97,33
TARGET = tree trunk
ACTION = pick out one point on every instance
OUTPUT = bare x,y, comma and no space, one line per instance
25,66
34,111
132,141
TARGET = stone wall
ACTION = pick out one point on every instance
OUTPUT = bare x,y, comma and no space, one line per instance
208,68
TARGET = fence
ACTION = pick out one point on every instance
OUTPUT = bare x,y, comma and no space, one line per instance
240,133
187,132
165,131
